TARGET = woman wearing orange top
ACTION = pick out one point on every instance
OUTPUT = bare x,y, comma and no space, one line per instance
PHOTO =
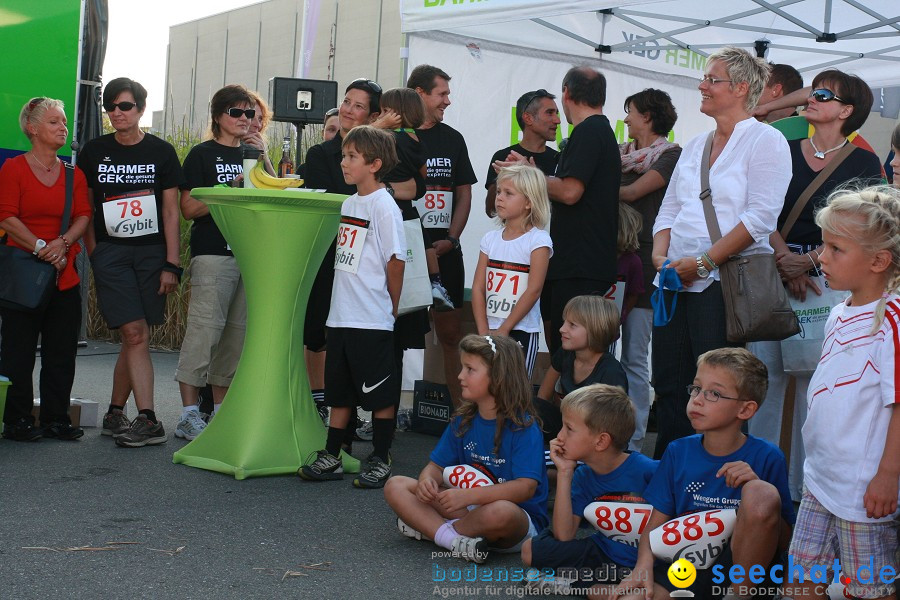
32,199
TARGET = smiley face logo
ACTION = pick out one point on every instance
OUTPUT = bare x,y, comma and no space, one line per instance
682,573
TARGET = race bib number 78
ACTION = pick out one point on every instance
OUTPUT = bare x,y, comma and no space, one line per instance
131,215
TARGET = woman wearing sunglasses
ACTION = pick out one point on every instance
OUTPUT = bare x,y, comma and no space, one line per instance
217,313
134,247
837,105
749,172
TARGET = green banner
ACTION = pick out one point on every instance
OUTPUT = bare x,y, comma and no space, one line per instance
40,46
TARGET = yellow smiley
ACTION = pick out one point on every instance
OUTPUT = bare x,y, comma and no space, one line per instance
682,573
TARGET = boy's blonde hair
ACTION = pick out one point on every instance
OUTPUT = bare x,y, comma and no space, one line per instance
750,374
871,218
599,316
605,409
374,143
630,224
532,183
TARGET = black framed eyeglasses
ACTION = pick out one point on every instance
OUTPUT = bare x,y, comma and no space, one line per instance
235,112
331,112
708,395
826,95
123,106
370,85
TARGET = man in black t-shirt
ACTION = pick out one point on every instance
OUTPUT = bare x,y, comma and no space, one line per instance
584,197
538,118
444,209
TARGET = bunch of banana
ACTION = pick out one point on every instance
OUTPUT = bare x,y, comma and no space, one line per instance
262,180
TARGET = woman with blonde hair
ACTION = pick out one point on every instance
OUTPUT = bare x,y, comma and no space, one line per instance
749,172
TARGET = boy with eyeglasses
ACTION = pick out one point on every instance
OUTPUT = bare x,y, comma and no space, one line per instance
720,468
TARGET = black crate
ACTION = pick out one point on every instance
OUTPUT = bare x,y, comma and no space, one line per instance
432,408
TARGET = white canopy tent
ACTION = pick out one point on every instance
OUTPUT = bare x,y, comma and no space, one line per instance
496,50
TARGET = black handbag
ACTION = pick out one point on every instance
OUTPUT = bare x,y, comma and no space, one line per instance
756,304
27,282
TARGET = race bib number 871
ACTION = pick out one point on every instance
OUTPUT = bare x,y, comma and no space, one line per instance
505,283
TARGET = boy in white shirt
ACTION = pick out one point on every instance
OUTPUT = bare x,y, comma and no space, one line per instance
371,254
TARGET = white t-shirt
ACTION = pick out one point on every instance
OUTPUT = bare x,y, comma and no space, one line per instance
361,300
748,182
850,401
509,264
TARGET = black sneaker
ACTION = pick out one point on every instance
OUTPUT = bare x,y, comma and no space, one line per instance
22,430
62,431
326,467
374,476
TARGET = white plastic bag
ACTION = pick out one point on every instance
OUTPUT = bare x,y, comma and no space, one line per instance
416,292
801,353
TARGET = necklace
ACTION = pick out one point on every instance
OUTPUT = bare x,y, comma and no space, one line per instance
48,169
821,153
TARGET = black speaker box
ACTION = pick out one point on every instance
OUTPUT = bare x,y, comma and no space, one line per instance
301,100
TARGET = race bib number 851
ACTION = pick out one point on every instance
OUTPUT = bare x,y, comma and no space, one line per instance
350,241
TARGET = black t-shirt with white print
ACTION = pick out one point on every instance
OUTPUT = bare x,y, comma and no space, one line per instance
448,166
209,164
128,184
545,161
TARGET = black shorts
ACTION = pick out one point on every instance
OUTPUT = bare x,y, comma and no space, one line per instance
319,304
580,559
530,343
127,280
453,272
361,369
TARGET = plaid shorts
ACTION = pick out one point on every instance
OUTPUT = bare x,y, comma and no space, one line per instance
820,537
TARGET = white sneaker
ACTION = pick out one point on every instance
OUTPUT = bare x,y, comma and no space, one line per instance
471,549
409,531
190,426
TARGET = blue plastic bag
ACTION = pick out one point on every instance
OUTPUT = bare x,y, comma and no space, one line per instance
668,280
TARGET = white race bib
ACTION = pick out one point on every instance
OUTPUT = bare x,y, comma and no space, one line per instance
699,537
506,282
620,521
350,241
435,208
131,215
465,477
617,294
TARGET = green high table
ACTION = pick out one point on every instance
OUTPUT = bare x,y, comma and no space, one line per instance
268,424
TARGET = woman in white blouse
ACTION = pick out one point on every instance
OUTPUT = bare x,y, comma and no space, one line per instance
749,172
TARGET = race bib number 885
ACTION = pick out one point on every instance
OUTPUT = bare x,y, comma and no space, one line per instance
698,537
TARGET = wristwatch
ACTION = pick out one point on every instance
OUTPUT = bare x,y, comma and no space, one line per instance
38,246
454,241
702,271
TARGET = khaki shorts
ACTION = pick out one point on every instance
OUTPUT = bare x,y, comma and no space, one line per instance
216,323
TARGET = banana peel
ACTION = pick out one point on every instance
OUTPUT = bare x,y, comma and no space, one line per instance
262,180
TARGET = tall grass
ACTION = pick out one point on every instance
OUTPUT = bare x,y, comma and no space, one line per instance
170,334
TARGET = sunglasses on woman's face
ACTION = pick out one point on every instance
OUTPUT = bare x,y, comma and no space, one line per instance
235,113
123,106
824,95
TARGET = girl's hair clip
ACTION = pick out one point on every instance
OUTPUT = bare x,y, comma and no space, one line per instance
491,342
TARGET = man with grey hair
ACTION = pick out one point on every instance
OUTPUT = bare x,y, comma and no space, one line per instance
538,118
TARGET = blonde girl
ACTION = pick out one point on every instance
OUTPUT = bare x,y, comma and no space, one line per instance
494,441
852,432
513,262
590,325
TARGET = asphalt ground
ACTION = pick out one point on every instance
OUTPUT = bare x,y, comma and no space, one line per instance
87,519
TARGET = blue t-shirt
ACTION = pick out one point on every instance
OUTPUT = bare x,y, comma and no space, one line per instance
628,479
521,455
686,481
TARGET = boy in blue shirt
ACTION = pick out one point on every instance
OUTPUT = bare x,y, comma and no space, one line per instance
598,421
719,468
360,368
